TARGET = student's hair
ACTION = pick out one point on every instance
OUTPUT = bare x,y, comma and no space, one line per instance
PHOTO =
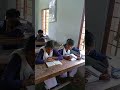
40,31
89,39
70,42
30,44
12,13
49,44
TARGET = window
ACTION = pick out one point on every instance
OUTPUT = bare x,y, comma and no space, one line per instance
20,5
82,36
113,42
25,8
45,21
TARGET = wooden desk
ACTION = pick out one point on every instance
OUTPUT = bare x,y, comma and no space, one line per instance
103,85
43,73
39,43
11,40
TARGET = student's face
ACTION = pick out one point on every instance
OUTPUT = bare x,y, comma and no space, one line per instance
40,34
49,50
69,47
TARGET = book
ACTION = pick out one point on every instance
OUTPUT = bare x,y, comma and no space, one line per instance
49,64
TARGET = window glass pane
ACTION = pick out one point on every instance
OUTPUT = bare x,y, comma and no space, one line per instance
116,11
114,24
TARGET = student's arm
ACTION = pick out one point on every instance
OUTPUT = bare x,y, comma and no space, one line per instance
11,72
57,55
39,58
76,52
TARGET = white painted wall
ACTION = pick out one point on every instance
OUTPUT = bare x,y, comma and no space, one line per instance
96,19
69,15
39,5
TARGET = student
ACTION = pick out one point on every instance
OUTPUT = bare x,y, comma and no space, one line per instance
96,64
20,70
99,56
48,54
40,36
8,26
67,51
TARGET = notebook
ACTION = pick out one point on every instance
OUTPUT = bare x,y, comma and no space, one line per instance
49,64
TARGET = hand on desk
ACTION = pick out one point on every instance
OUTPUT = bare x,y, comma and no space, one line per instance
104,77
78,57
50,59
68,58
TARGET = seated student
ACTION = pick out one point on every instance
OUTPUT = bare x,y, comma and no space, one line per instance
99,56
65,52
20,70
68,49
8,26
99,66
40,36
48,54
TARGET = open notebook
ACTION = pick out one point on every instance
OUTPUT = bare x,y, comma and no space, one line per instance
49,64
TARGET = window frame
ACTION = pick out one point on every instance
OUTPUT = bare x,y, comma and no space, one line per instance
81,30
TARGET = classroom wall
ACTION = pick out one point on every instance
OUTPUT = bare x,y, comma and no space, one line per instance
39,5
96,19
69,15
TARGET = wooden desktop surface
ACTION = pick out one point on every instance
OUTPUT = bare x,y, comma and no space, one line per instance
42,72
5,40
39,43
